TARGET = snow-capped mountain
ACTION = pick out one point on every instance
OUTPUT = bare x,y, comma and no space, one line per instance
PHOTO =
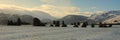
105,16
73,18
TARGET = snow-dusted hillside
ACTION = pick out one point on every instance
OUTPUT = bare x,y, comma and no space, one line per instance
112,20
13,17
74,18
105,16
22,11
3,18
58,33
13,13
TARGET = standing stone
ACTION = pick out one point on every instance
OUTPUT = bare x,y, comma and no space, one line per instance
100,24
85,24
63,24
57,23
75,25
78,23
51,25
92,25
110,25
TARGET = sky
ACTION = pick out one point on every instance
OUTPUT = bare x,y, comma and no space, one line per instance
61,8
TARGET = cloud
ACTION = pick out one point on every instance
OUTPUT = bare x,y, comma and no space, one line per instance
88,14
61,8
6,6
100,11
59,11
13,9
56,8
56,11
57,2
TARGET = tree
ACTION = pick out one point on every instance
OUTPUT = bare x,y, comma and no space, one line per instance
10,22
37,22
18,21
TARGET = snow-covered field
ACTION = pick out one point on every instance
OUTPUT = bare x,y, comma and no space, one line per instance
58,33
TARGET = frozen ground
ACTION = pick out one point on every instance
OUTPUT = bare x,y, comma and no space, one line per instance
58,33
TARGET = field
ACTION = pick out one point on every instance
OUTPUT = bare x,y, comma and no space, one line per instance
28,32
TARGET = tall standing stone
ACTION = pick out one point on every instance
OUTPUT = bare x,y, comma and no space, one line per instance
63,24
